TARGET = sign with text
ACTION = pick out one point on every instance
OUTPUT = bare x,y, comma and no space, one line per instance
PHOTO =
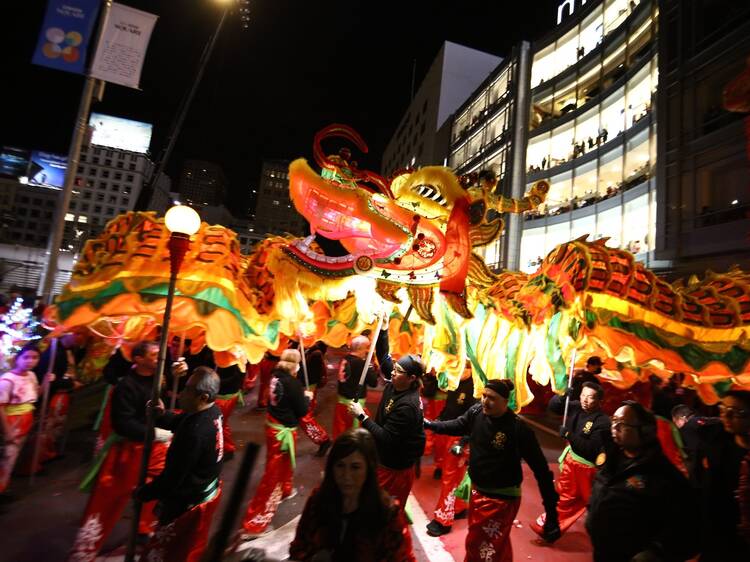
65,34
122,46
48,169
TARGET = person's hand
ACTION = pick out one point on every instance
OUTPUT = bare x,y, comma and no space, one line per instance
179,368
428,424
158,409
50,378
564,432
309,394
356,409
457,450
551,530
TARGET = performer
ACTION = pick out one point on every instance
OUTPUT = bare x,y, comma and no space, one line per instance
19,390
397,427
350,517
499,440
433,401
350,372
69,353
456,457
288,403
640,506
117,467
266,367
587,431
189,488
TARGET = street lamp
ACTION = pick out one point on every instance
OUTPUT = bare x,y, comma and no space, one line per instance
182,222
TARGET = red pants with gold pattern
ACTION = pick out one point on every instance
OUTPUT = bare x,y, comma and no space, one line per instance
114,487
275,484
396,483
454,469
227,406
185,538
490,521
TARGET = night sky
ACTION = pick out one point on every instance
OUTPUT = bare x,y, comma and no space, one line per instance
299,66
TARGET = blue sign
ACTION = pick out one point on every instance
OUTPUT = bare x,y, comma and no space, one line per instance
48,169
14,162
65,34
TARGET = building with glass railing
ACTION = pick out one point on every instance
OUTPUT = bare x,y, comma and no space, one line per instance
593,131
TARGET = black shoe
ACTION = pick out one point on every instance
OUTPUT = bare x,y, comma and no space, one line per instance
323,449
438,474
435,529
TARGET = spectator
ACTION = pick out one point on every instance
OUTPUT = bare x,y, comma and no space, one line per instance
349,517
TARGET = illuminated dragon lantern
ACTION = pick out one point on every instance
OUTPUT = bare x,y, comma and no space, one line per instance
407,244
417,231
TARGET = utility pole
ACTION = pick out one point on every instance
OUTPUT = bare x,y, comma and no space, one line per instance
74,155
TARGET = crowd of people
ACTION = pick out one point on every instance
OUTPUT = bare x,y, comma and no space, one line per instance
645,495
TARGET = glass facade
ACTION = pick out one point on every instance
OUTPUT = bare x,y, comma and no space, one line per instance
593,133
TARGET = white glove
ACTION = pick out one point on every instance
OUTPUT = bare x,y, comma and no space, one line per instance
356,409
162,435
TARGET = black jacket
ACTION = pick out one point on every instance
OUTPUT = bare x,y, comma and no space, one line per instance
193,462
129,400
458,401
349,373
497,447
588,433
641,504
398,428
287,402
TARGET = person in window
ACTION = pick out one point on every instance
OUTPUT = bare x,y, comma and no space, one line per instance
349,517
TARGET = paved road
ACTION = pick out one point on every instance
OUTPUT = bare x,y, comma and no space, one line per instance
42,522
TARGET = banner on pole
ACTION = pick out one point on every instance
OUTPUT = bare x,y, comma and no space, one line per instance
122,47
65,34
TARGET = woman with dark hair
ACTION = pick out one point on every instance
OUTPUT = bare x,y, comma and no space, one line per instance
350,517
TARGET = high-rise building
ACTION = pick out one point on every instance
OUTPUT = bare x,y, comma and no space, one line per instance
202,183
422,137
593,131
274,211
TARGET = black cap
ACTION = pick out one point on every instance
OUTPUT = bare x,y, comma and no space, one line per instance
412,365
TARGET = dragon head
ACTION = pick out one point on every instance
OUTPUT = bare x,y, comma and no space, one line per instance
416,231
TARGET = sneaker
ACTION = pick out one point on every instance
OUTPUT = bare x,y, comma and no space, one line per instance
438,474
323,449
435,529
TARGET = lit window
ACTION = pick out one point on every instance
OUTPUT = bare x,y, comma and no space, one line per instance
69,217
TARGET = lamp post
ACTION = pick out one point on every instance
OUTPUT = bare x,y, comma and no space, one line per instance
182,222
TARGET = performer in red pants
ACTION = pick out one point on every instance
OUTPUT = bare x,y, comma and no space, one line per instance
433,401
266,367
288,403
230,394
117,467
456,460
587,431
499,440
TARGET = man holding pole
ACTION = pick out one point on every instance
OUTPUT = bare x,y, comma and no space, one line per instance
587,431
188,490
349,387
116,469
397,427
